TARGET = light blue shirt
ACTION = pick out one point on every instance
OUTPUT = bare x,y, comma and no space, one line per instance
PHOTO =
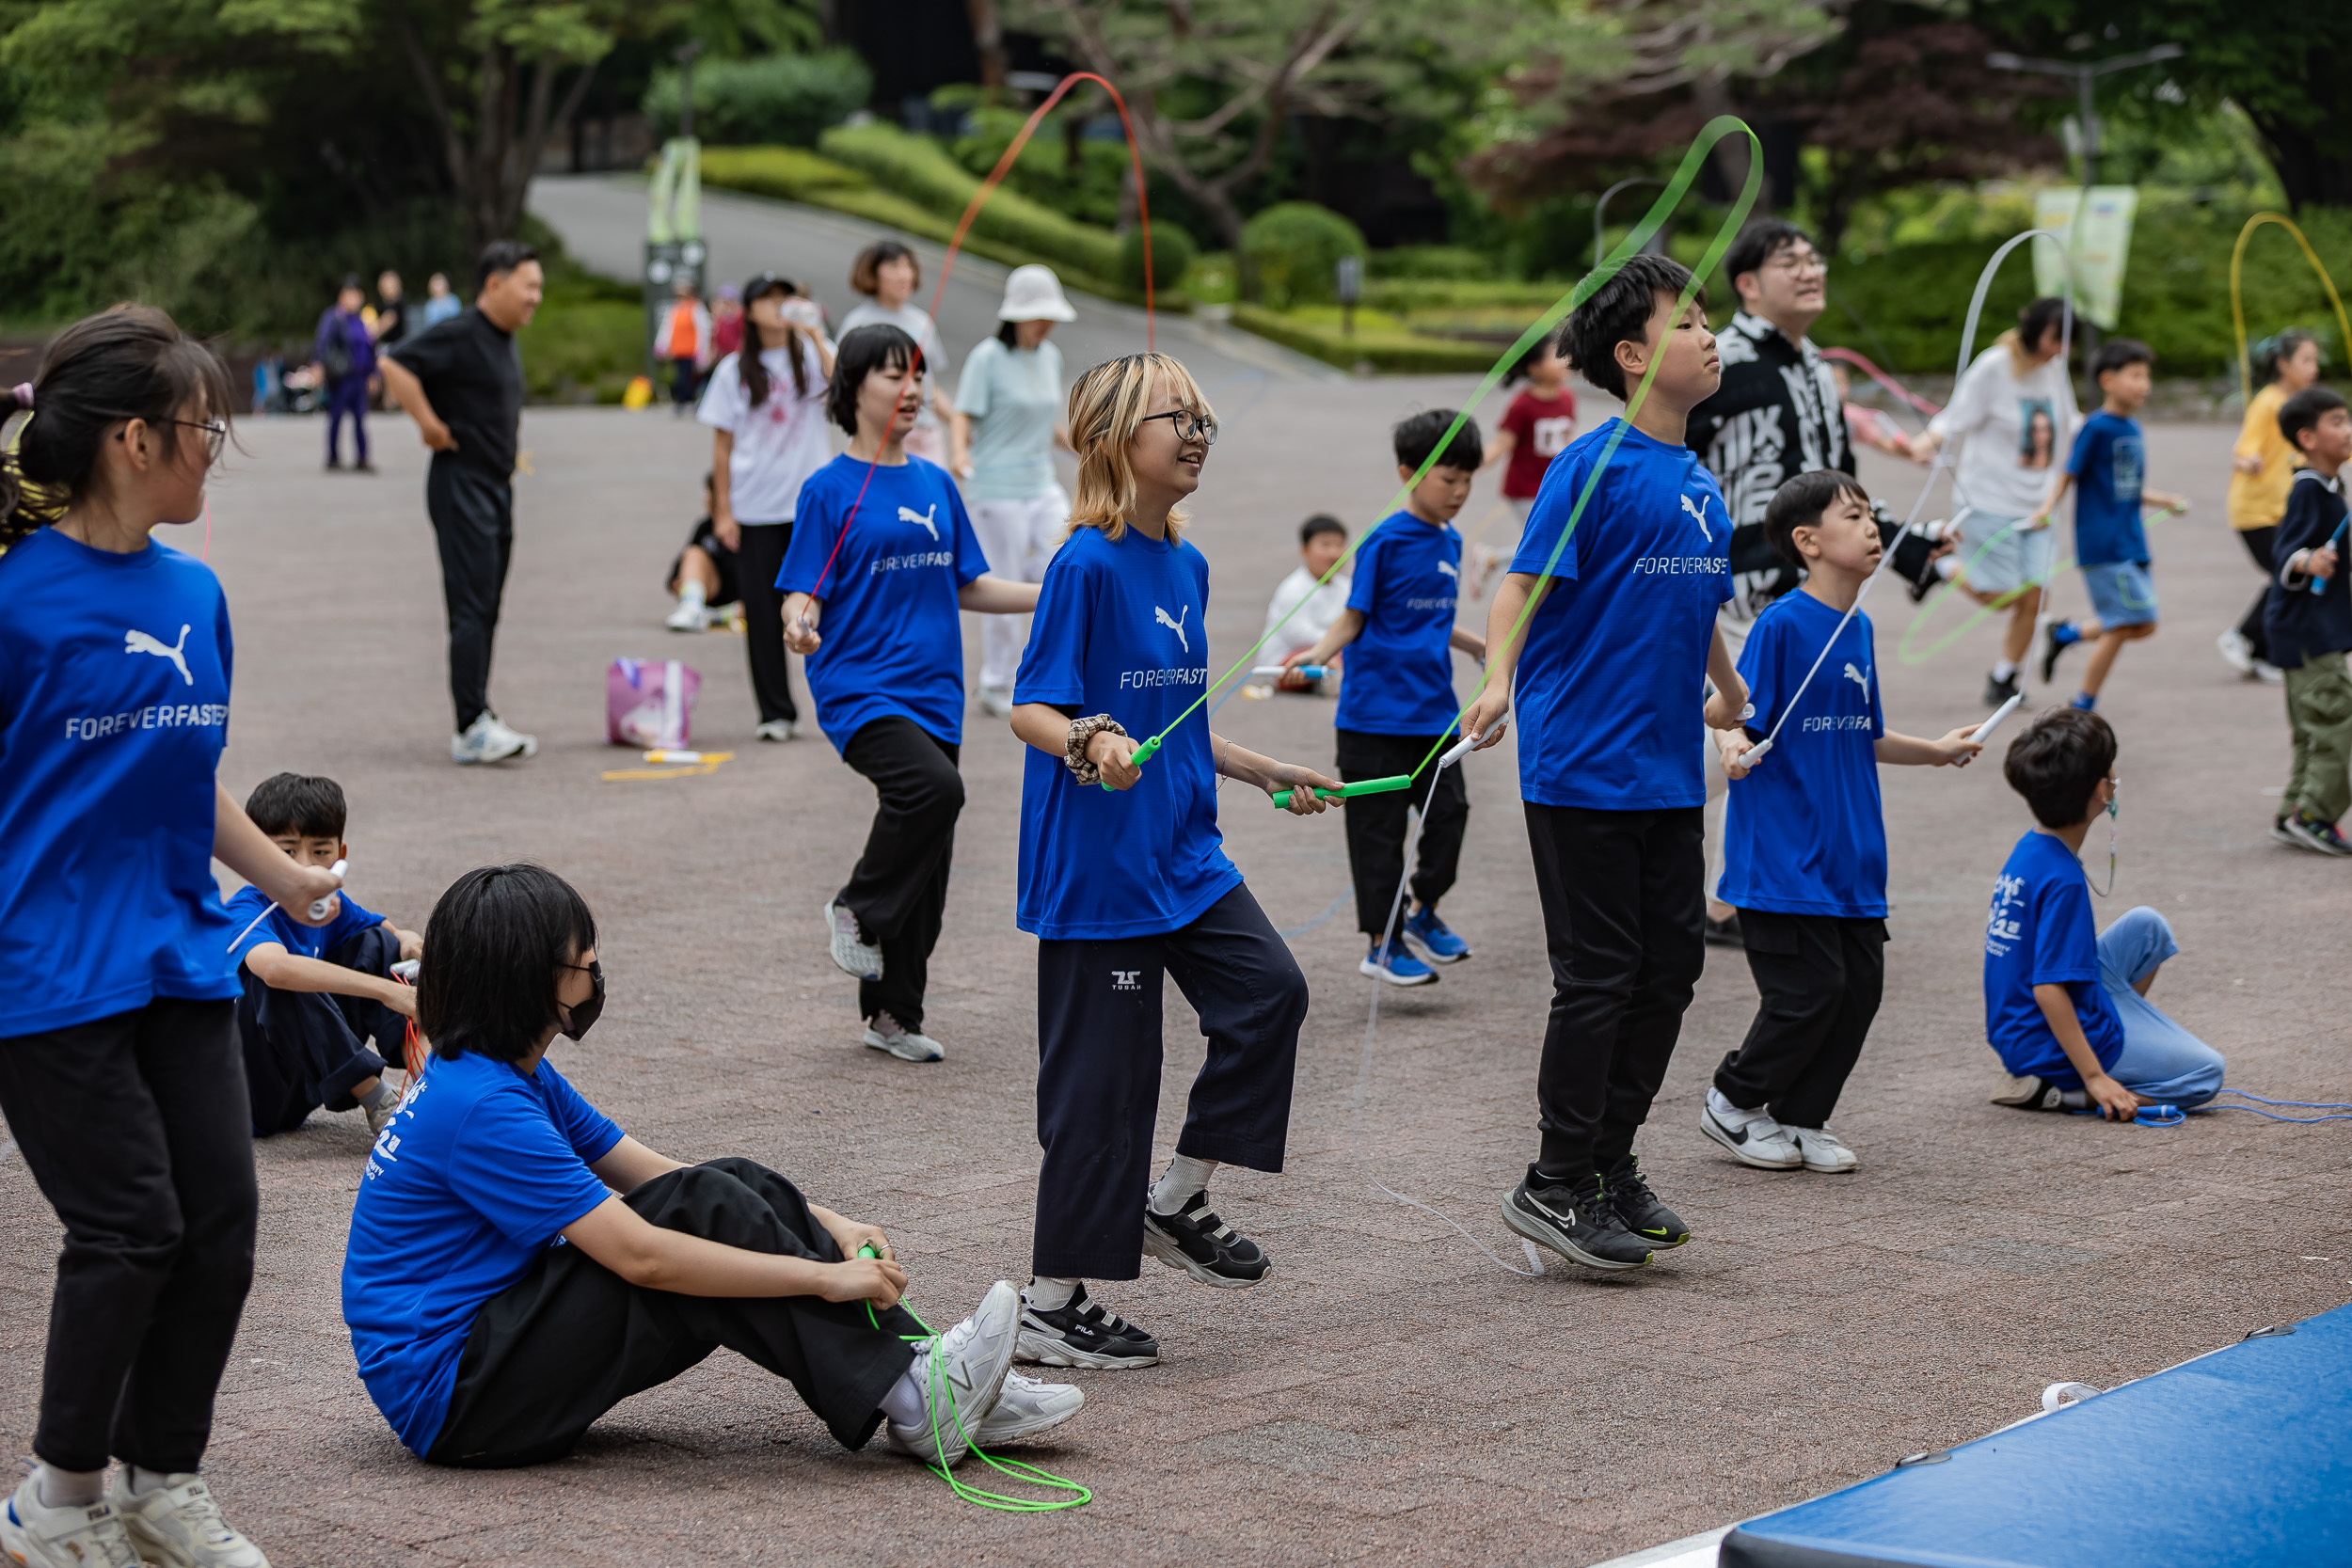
1014,398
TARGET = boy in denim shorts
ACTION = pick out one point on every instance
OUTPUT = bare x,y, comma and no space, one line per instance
2109,461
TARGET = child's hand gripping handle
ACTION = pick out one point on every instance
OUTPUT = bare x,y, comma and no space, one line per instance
318,906
1281,797
1141,756
2335,542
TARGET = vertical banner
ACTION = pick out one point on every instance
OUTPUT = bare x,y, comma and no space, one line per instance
2099,252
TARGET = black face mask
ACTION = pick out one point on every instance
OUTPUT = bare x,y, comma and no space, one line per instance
584,1014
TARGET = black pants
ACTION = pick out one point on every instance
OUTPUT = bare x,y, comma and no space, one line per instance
473,517
1623,911
1376,824
1098,1077
1819,977
570,1339
685,378
2259,543
899,889
757,559
134,1128
303,1050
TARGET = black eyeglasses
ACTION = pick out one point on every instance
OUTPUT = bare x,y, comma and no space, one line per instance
1189,425
215,434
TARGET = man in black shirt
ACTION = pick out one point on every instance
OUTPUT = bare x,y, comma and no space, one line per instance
462,381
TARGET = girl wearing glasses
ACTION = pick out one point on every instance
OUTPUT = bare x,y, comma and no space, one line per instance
119,1071
1127,885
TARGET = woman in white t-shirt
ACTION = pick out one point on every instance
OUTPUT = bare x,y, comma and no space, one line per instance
766,407
887,274
1008,421
2015,415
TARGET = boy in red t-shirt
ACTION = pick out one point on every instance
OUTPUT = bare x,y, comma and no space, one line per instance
1538,426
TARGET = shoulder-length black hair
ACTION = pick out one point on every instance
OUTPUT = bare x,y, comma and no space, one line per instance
492,951
859,354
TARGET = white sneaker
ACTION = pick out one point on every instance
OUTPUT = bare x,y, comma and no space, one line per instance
852,953
2028,1093
381,1116
1823,1151
887,1034
69,1537
1027,1407
777,729
687,617
1753,1138
179,1526
2268,672
968,1367
996,700
488,739
2236,651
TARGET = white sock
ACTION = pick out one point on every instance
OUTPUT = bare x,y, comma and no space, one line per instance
904,1405
1047,1294
2002,669
691,594
1186,1176
141,1480
57,1488
1944,566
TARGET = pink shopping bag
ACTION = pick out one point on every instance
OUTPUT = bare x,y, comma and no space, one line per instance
649,703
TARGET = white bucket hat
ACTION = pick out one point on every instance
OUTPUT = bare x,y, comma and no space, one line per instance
1033,293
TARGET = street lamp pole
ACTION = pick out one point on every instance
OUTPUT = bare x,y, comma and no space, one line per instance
1601,207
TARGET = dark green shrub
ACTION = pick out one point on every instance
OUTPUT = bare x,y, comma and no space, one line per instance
1291,253
920,169
1172,253
787,99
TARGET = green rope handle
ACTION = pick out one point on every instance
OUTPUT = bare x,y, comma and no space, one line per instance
1362,787
941,1393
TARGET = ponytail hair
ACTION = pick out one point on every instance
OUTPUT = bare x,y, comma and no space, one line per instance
2272,351
132,362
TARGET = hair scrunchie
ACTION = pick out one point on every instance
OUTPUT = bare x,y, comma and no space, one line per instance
23,392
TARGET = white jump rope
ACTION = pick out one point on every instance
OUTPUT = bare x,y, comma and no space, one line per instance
318,908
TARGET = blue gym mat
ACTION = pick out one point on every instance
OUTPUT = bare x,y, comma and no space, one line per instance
2243,1456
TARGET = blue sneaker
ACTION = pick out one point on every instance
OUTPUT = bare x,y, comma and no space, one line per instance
1396,966
1433,938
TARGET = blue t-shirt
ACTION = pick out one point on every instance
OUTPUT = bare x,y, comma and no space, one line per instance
1805,834
1400,667
479,1173
1119,631
114,707
1613,673
2040,934
2109,462
303,941
893,639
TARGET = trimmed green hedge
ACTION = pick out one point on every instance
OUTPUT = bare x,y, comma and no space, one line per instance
777,98
919,169
1316,332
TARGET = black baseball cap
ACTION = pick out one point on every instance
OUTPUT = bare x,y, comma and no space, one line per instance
766,282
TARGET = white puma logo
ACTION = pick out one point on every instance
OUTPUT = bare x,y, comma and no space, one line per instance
908,514
1859,680
1447,568
140,642
1177,626
1698,516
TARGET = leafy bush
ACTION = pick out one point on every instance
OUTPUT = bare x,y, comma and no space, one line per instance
1429,260
1088,190
1291,253
1172,253
777,98
1380,344
784,172
919,169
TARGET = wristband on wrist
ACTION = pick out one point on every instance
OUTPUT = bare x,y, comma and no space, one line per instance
1082,732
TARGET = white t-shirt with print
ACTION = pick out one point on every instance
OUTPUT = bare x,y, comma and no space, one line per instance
2001,469
778,444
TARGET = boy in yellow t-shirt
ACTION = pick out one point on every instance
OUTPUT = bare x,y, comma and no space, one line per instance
2262,468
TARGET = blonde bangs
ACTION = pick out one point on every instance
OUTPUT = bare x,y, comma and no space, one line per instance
1106,408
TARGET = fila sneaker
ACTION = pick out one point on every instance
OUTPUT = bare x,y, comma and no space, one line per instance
74,1536
1081,1333
179,1526
1204,1246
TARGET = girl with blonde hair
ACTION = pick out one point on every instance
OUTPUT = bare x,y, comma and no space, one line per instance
1127,885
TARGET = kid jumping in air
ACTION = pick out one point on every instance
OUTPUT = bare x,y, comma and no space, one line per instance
1805,837
1616,656
1125,886
518,1265
2308,634
315,996
1398,704
2109,462
888,671
2067,1011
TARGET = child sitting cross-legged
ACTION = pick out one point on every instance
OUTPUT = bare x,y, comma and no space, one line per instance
315,996
486,1343
2068,1011
1805,838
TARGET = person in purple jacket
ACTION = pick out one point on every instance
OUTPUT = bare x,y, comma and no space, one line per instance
344,351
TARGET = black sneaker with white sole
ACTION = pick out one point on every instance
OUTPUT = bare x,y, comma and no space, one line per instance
1196,1241
1638,1209
1082,1334
1577,1223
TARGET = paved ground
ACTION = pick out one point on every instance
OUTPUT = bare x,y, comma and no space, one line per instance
1389,1394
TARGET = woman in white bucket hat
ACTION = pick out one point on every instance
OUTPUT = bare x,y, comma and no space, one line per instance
1007,413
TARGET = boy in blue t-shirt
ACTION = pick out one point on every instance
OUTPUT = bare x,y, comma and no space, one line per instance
315,996
1805,838
1617,652
1397,704
2307,621
2068,1011
2109,462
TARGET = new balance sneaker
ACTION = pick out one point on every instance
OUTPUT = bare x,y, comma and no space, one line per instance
1823,1151
69,1537
2029,1093
2057,638
1395,965
967,1379
777,729
1204,1246
1433,938
1999,689
179,1525
1637,1208
1027,1408
996,700
852,953
2308,831
488,739
1575,1222
1081,1333
2237,651
1753,1138
884,1033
